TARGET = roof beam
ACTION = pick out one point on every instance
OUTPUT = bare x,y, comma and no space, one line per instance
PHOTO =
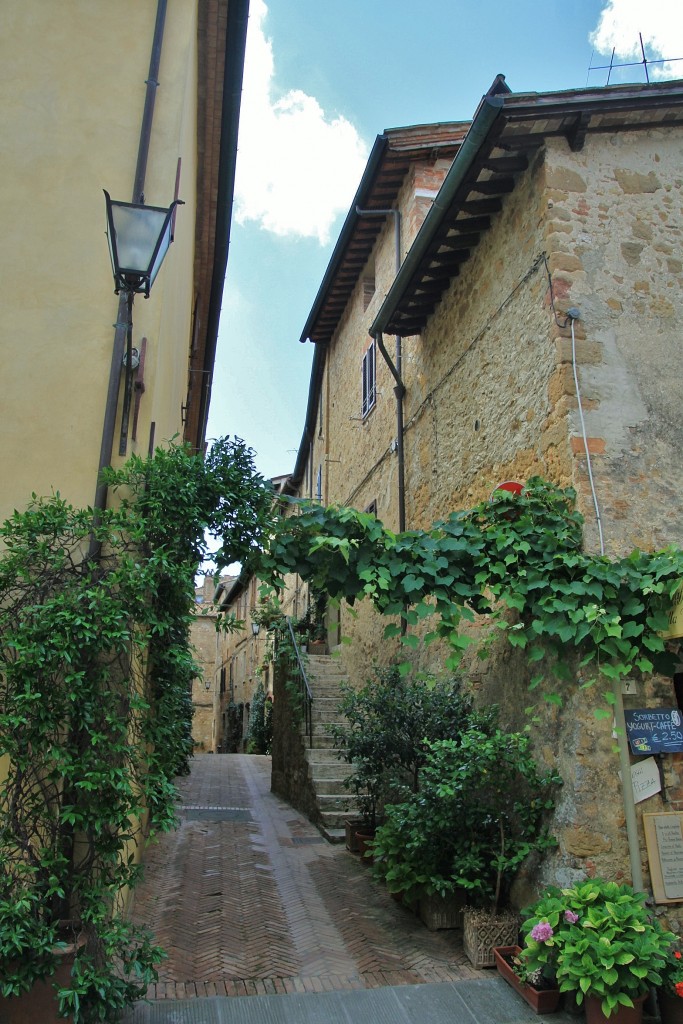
494,186
506,164
476,206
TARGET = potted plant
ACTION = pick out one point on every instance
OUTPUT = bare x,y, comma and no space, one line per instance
499,799
477,816
385,732
670,995
601,944
538,990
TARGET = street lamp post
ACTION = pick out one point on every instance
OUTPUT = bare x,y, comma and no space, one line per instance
139,237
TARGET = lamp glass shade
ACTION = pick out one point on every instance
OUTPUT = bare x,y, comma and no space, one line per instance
139,237
255,627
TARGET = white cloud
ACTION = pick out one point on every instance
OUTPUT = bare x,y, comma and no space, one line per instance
660,22
297,167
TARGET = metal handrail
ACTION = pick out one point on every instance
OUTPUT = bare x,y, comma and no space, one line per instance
304,687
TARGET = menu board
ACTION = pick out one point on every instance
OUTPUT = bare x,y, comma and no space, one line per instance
654,730
664,839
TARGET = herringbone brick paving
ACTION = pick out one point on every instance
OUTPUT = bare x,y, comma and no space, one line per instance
249,899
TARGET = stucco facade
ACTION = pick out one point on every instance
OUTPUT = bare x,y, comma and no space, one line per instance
554,202
72,94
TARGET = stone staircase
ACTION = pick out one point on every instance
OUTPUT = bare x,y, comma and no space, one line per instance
326,771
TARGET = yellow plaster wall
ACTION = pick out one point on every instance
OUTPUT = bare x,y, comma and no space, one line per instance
72,89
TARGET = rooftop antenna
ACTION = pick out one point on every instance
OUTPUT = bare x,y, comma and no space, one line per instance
644,63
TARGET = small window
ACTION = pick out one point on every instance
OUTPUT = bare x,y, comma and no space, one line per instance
319,484
368,291
369,385
372,508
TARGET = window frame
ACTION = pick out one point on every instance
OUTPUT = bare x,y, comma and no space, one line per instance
369,380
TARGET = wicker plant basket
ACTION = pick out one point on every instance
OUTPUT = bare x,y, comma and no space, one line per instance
439,912
484,930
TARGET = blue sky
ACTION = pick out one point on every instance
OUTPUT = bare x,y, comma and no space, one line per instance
322,79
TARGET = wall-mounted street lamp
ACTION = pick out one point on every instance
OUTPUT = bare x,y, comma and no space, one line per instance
255,628
139,237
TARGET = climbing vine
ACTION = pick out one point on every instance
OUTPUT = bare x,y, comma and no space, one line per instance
518,559
95,673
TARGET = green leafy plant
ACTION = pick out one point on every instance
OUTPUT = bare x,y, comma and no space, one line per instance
95,712
388,723
673,974
598,940
260,735
518,559
477,817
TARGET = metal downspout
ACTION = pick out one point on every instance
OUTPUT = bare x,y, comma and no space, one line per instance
122,319
627,790
395,368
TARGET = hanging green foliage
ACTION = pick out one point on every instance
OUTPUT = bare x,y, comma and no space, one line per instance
521,554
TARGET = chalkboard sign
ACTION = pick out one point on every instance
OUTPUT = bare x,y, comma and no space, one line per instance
654,730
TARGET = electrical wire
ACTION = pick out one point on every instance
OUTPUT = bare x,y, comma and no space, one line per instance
571,316
596,505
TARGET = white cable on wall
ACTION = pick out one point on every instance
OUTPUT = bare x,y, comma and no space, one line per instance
572,314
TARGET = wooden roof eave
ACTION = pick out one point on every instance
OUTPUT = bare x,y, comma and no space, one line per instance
522,125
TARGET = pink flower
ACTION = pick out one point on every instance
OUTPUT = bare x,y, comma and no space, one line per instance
679,988
542,931
570,917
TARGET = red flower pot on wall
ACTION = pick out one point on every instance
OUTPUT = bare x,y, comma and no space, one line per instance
541,1000
622,1015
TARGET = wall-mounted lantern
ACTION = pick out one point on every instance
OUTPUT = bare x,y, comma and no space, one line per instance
139,237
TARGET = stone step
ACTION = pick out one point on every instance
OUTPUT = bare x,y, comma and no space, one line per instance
329,680
335,819
331,787
342,802
325,688
333,835
324,662
326,771
321,742
328,715
324,702
326,758
322,727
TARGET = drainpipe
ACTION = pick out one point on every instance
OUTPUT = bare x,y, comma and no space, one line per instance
122,319
394,367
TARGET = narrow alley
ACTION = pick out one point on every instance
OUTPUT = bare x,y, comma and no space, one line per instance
249,900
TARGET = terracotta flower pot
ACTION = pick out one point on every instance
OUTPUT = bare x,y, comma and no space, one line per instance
670,1008
541,1000
623,1014
40,1004
363,838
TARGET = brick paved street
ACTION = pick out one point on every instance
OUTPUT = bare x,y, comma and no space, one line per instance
249,899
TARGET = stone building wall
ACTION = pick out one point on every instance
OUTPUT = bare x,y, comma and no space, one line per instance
491,396
615,223
206,643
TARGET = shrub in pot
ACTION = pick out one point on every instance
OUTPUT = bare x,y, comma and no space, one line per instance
599,941
389,723
478,816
